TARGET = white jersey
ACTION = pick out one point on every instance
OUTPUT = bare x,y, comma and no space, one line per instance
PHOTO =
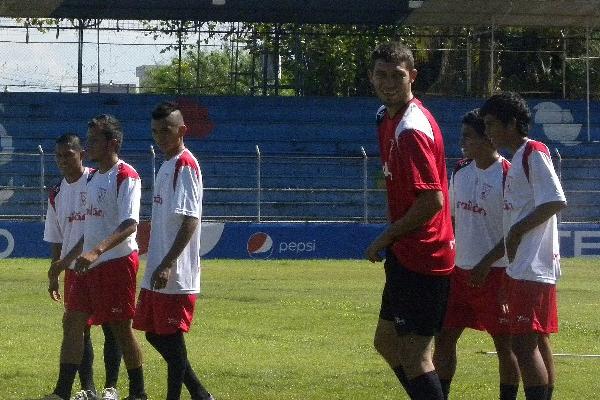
177,193
531,181
112,197
66,213
476,199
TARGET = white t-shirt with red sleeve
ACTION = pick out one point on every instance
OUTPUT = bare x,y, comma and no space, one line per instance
532,181
413,158
177,193
65,215
476,199
112,197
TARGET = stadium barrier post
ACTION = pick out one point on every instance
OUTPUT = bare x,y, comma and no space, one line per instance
365,185
42,186
258,182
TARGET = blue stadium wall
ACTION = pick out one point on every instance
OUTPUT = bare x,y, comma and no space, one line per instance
278,240
279,125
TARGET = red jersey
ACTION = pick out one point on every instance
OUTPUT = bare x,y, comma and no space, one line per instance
413,158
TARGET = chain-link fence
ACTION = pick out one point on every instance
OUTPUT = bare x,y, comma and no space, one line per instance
189,57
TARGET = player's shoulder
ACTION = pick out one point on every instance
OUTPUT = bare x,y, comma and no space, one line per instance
462,164
125,170
415,119
186,159
380,115
53,192
532,146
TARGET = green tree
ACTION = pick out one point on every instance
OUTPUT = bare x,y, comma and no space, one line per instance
202,73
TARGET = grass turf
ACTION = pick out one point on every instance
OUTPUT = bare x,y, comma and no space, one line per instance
286,330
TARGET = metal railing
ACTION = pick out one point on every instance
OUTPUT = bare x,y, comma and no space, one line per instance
263,187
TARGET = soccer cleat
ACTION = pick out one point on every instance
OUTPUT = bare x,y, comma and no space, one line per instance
109,394
85,395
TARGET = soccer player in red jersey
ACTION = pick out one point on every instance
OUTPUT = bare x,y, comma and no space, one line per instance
172,278
533,196
106,260
419,241
476,189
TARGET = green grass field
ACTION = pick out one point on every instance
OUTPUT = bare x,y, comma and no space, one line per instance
278,330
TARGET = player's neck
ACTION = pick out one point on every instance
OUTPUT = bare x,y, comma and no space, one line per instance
74,176
393,109
516,142
486,161
174,152
106,164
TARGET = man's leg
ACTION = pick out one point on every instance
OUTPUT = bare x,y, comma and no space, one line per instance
173,350
508,367
71,351
387,345
531,364
444,356
112,357
86,368
132,356
546,352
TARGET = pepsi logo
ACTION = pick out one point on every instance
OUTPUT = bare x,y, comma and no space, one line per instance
260,245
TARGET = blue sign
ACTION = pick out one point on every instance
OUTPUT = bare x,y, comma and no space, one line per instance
277,240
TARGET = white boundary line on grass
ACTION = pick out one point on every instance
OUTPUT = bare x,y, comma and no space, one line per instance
554,354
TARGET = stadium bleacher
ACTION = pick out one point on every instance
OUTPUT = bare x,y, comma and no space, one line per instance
305,143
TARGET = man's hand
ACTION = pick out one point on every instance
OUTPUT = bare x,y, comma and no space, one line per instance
84,261
53,288
160,277
375,249
512,240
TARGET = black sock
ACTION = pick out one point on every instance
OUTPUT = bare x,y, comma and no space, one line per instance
193,385
536,392
112,357
66,376
399,371
86,368
508,392
173,350
549,392
136,382
426,387
445,387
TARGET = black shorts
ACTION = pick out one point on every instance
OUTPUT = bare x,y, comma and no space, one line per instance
416,303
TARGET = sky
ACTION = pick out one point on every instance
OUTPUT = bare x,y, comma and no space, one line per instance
48,63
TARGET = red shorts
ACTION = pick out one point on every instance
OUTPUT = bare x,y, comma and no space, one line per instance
531,307
70,278
107,291
477,308
162,313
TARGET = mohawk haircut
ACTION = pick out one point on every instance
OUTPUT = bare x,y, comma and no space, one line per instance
164,109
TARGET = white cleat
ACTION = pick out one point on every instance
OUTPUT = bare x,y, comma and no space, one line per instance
84,395
109,394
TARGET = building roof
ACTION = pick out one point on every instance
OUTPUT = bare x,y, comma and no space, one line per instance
560,13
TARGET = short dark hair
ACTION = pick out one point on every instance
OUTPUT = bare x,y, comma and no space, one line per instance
475,121
395,52
164,109
71,140
508,105
109,126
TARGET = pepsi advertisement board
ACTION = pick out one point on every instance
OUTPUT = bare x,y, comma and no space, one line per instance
276,240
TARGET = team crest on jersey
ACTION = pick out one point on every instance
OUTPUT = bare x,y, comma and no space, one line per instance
82,199
101,194
485,191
